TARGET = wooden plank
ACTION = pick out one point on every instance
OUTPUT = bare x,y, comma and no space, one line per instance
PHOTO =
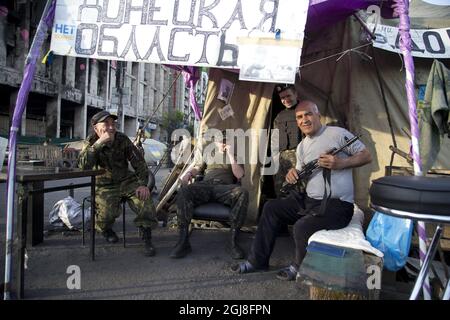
430,228
446,233
445,244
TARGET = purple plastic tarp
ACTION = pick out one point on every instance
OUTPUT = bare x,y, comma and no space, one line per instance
323,13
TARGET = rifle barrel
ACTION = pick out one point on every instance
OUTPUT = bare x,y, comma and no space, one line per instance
306,171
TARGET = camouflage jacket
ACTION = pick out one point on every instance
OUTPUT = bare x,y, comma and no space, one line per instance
113,158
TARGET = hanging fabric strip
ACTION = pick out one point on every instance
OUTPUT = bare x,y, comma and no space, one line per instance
191,77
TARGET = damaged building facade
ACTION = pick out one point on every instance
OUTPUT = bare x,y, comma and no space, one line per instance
68,91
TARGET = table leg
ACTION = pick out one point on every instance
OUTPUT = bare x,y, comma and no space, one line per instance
423,272
22,211
92,218
35,222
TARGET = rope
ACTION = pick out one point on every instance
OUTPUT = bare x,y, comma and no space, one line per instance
342,53
140,131
383,95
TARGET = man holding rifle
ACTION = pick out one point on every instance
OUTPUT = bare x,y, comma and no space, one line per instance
327,202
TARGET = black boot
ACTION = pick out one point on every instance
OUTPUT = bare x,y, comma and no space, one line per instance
149,250
183,247
236,250
110,236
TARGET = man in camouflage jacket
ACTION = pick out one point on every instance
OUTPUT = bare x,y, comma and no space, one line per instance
112,151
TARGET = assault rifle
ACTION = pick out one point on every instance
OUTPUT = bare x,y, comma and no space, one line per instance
311,166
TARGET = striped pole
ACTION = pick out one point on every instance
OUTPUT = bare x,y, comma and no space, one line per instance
28,75
401,9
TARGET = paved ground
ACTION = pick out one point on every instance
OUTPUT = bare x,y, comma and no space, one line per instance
124,273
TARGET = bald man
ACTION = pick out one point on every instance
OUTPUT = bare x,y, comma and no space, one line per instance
302,210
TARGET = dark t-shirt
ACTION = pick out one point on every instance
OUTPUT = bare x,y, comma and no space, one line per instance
289,133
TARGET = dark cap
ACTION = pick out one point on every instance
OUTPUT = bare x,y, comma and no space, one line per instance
102,116
282,87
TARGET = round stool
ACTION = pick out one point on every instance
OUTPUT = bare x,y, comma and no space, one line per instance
418,198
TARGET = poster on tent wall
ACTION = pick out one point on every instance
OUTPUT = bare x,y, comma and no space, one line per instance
181,32
268,59
431,43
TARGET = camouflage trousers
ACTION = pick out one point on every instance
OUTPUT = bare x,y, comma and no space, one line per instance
199,193
108,199
287,160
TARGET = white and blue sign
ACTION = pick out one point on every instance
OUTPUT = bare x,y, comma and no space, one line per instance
181,32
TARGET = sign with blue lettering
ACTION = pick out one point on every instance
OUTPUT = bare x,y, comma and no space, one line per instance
63,28
182,32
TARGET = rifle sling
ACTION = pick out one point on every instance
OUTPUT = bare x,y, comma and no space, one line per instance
326,173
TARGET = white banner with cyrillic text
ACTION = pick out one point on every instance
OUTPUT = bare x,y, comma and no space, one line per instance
181,32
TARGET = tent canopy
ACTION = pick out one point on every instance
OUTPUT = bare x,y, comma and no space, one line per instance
348,92
324,13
